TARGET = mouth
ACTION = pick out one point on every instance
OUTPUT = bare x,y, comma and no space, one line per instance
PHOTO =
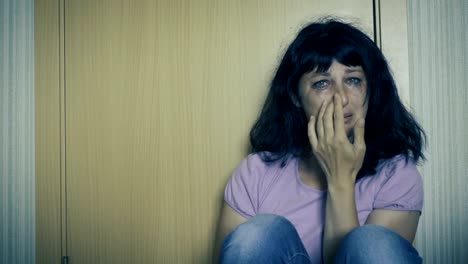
348,117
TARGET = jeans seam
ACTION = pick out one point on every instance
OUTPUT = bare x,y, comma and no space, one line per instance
290,259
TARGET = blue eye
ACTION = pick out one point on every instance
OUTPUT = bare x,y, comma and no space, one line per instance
354,81
322,84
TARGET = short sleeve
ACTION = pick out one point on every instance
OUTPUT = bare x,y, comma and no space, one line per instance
241,192
400,186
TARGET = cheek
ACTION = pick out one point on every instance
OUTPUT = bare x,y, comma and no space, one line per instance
364,110
313,103
359,100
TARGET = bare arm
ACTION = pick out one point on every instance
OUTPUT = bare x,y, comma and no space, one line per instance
405,223
340,161
228,221
340,219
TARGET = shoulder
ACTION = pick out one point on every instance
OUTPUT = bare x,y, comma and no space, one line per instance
249,183
398,184
252,164
400,166
256,165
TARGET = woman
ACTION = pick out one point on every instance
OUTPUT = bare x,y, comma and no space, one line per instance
332,176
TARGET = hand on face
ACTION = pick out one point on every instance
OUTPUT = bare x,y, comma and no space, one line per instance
339,158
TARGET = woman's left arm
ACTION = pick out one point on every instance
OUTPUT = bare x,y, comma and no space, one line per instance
405,223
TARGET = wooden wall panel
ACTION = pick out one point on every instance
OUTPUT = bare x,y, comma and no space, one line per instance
394,43
160,96
47,92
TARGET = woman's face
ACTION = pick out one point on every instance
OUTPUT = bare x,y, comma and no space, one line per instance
348,82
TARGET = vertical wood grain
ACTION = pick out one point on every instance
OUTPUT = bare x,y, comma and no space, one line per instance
438,67
17,164
160,96
394,43
47,88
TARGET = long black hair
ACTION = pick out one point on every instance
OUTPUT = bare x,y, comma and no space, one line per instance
281,129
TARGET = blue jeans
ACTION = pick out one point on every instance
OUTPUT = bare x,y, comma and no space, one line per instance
273,239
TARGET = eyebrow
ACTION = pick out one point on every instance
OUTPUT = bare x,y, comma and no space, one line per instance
313,74
327,74
354,70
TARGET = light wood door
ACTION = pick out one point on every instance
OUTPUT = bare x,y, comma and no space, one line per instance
158,99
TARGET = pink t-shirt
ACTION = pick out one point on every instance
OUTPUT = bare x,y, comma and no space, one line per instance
260,188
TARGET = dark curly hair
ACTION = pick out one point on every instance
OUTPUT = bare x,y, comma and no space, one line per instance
281,129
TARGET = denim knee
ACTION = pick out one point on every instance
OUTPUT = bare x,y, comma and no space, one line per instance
261,238
247,239
376,244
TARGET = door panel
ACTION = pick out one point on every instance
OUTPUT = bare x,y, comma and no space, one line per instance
47,130
160,96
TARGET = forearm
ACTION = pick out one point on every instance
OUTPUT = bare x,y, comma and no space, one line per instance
340,218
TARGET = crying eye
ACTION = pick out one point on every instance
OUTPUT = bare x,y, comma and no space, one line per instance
322,84
354,81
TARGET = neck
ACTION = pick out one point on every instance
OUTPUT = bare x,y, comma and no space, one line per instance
312,172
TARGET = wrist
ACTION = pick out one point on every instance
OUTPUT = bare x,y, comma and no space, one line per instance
342,181
341,186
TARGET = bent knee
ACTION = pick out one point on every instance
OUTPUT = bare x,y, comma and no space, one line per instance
374,234
254,236
258,228
377,243
373,237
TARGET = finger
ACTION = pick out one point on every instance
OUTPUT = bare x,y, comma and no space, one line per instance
319,121
328,122
311,132
338,117
359,142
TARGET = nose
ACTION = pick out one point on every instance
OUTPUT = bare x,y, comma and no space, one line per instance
343,93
